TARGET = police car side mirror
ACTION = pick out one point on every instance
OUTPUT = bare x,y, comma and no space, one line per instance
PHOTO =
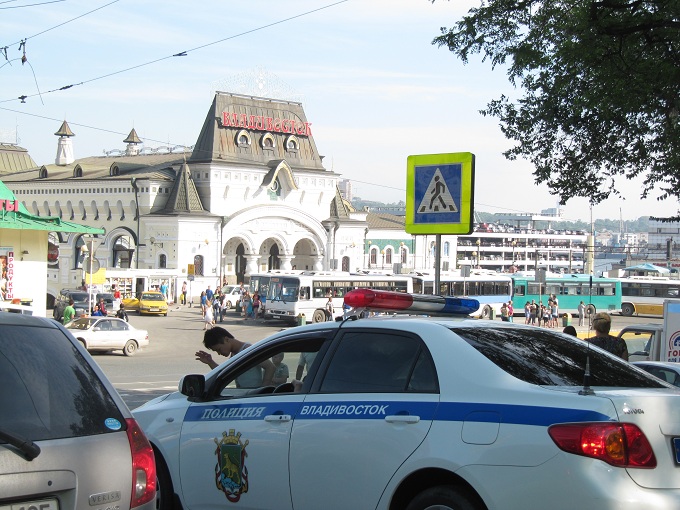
192,385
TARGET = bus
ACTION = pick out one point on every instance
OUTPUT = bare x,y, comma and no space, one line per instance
490,289
645,295
289,295
598,294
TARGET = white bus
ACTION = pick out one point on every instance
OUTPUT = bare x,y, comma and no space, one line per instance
490,289
645,295
289,295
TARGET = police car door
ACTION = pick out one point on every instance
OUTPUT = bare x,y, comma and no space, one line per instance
370,406
234,446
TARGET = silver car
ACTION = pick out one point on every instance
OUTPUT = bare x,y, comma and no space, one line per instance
108,334
67,440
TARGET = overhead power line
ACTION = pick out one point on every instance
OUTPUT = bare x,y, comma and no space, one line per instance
60,24
31,5
184,53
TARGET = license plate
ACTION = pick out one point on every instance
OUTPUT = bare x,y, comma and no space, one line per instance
276,316
43,504
676,449
153,309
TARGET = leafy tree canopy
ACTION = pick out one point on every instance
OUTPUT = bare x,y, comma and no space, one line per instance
601,85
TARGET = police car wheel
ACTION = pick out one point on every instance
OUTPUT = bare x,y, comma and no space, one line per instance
164,496
444,497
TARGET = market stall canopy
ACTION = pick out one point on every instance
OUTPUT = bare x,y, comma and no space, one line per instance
649,268
13,215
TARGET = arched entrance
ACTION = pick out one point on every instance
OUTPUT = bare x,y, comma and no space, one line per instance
304,255
273,261
240,262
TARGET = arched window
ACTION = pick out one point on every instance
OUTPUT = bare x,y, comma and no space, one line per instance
373,256
388,255
53,250
123,251
80,255
404,255
162,261
446,249
198,265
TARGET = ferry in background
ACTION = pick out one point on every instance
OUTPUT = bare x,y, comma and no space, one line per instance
598,294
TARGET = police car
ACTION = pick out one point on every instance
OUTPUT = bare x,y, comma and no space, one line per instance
408,413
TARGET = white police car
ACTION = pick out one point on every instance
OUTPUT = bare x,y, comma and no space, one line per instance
414,413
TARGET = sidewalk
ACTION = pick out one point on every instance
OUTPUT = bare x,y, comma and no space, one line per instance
585,331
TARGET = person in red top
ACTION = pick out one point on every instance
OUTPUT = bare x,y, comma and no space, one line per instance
116,297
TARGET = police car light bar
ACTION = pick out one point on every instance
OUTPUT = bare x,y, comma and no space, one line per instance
416,303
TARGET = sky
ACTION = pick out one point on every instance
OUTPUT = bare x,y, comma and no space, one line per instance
372,84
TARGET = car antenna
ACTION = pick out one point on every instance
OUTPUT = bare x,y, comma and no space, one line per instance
587,390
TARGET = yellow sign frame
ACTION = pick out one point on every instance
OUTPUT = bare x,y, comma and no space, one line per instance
440,193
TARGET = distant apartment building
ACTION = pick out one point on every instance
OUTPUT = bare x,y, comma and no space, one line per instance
345,187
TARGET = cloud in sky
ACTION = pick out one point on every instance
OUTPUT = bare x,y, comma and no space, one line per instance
372,84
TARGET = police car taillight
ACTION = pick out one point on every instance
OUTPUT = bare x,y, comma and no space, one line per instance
143,465
618,444
415,303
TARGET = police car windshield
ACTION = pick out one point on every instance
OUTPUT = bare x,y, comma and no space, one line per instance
545,358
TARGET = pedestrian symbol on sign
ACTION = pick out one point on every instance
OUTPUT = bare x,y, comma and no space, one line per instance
437,198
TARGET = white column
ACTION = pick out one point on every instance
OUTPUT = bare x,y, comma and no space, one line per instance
285,262
251,264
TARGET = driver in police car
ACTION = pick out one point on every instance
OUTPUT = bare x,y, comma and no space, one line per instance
219,340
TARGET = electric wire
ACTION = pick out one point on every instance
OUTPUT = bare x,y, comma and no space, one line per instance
184,53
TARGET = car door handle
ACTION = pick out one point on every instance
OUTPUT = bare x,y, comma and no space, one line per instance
402,418
277,417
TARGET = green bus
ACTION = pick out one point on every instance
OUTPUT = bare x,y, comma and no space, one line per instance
598,294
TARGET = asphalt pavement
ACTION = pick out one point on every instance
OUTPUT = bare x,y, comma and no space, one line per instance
174,340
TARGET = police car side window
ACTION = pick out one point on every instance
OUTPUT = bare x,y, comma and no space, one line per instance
379,362
254,376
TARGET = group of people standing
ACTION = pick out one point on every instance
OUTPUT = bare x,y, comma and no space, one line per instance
541,315
252,306
214,305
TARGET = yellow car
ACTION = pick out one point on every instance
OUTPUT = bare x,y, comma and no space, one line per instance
150,302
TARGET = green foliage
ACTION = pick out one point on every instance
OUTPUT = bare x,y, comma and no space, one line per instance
601,85
600,225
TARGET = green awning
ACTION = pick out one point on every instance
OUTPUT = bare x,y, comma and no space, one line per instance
23,220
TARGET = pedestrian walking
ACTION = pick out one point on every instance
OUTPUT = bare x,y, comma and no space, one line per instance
208,317
581,312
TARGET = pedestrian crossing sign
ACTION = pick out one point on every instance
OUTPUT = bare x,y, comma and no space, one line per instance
439,193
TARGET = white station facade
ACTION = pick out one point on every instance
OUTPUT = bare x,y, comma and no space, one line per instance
252,195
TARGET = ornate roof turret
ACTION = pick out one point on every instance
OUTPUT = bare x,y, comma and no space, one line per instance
184,196
64,130
132,137
132,142
65,146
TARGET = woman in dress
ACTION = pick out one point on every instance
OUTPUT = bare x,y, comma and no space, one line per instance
208,316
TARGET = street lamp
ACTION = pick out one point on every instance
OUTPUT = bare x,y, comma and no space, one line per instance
479,252
514,243
89,248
